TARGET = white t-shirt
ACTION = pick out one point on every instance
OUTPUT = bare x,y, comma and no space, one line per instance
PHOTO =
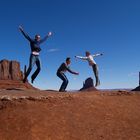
89,58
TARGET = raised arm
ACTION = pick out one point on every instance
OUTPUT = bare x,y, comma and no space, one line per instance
81,57
25,34
98,54
46,37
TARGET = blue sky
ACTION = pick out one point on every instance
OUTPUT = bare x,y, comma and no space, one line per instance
111,27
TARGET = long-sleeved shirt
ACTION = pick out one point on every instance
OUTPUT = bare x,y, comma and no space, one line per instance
64,67
34,44
89,58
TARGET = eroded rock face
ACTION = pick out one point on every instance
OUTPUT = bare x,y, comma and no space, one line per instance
16,73
10,70
4,70
11,76
88,84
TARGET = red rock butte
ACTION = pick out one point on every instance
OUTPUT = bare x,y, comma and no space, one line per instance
11,75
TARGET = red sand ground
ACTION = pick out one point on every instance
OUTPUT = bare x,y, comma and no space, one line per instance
11,84
45,115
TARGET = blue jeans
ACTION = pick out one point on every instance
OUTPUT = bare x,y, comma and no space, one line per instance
96,73
63,77
34,59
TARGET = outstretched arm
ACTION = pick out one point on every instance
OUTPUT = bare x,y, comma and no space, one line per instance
25,34
81,57
98,54
69,70
46,37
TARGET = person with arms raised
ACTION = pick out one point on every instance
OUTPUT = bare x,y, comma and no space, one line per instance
34,56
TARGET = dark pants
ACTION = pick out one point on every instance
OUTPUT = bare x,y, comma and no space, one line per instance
95,70
34,59
63,77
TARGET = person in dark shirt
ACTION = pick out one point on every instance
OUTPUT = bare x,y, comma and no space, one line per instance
61,74
35,50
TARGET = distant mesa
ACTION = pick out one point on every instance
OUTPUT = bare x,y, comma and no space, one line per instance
11,76
88,85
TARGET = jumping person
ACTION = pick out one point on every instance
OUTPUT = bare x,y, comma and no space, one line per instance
35,50
61,74
92,63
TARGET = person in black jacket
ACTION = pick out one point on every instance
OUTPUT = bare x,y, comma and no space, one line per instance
35,50
61,74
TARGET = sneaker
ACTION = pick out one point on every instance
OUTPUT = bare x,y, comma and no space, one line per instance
62,91
32,81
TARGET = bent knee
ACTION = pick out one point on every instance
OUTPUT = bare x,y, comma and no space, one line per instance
39,69
67,81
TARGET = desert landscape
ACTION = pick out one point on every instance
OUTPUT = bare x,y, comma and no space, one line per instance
47,115
33,114
70,70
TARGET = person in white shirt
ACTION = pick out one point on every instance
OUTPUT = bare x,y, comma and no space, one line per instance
92,63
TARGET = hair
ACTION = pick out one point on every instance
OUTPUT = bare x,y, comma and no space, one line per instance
87,52
37,35
68,58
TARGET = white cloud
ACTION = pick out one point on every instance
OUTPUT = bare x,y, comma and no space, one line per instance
53,50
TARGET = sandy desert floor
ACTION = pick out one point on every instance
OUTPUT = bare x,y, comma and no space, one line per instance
48,115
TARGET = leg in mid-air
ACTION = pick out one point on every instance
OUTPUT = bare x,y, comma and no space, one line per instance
63,77
96,73
37,70
31,64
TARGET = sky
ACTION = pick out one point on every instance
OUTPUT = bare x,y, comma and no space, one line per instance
111,27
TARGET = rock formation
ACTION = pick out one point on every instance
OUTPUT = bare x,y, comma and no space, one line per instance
11,76
88,85
10,70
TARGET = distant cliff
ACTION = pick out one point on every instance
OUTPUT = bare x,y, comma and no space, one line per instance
10,70
11,75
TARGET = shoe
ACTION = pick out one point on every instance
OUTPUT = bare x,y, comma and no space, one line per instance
62,91
32,81
97,84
